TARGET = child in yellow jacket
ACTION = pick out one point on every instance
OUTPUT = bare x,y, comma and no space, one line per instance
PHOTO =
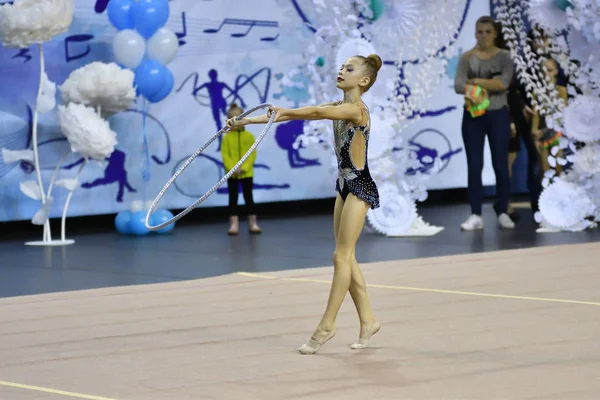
234,145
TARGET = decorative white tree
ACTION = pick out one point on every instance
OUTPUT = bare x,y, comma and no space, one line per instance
570,201
91,91
22,24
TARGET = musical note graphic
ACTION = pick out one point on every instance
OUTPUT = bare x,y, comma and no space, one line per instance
24,54
250,23
181,35
77,39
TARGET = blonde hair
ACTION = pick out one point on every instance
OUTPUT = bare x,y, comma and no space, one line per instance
234,110
372,65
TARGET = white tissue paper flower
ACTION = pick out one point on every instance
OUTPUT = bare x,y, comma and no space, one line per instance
547,15
46,101
582,119
586,161
99,84
565,205
86,132
26,22
400,19
397,212
382,168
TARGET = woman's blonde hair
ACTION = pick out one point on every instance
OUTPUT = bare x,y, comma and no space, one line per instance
234,110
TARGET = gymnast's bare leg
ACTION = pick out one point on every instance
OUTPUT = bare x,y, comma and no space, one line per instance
349,217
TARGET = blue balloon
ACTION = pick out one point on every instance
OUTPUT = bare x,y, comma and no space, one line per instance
122,222
119,14
149,16
137,224
150,78
161,216
166,89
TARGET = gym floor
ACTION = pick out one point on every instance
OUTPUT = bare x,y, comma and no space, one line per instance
201,315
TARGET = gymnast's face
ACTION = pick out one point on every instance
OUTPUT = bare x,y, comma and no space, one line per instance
352,74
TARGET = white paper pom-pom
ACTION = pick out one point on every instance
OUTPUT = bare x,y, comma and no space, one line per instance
586,161
582,119
565,204
99,84
26,22
86,132
397,212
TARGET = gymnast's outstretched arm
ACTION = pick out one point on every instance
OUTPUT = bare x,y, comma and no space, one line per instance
347,112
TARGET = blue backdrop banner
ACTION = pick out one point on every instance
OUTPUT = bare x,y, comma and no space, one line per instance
240,51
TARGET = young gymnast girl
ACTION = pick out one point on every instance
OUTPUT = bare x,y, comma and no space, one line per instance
356,189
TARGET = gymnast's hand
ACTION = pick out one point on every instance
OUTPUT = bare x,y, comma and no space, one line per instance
234,123
278,111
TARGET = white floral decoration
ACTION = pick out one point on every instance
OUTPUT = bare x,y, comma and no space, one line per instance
26,22
582,119
547,15
397,213
86,131
400,19
566,205
529,66
586,161
98,84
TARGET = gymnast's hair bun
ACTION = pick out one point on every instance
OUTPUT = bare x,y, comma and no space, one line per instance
376,61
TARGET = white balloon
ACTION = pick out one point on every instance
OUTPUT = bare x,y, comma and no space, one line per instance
163,46
129,48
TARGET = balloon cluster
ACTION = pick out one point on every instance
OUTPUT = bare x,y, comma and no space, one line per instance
132,222
144,45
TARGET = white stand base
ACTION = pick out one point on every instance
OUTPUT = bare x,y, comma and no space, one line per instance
419,228
51,243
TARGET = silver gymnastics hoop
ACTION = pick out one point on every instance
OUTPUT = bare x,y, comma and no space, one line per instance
219,183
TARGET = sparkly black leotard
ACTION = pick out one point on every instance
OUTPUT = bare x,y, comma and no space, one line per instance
351,179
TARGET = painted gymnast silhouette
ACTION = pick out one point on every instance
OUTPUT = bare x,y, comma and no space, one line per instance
285,136
218,104
114,172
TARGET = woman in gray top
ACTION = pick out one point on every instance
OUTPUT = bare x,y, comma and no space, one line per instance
490,68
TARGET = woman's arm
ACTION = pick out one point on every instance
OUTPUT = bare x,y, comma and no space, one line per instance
491,85
502,81
461,77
